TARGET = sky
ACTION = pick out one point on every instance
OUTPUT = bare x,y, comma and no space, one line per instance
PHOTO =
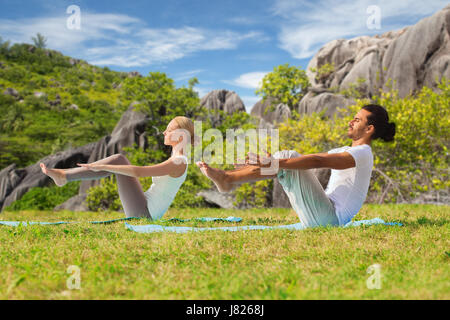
225,44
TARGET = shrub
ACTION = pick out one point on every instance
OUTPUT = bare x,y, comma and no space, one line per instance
323,71
45,198
255,194
286,84
105,196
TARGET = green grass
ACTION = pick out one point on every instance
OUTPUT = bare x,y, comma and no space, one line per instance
320,263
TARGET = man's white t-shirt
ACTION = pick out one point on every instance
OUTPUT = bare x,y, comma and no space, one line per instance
347,188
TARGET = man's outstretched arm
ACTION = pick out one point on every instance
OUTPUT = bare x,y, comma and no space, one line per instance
338,161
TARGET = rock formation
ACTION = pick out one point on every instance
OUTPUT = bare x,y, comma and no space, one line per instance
76,203
14,182
227,101
407,59
269,114
327,101
215,198
221,100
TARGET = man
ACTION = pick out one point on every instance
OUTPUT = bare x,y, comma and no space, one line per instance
349,180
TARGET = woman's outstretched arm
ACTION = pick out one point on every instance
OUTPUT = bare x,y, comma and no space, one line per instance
169,167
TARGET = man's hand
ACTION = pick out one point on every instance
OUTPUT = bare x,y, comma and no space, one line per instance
257,160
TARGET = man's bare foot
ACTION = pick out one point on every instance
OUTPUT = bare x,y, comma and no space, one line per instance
217,176
58,175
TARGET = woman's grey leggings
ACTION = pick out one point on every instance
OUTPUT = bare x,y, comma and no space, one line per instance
131,194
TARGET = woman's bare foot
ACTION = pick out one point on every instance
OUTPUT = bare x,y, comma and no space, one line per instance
58,175
217,176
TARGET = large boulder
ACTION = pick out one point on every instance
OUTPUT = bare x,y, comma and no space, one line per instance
77,203
279,197
227,101
405,59
217,199
325,101
14,183
221,100
10,178
270,113
420,54
344,55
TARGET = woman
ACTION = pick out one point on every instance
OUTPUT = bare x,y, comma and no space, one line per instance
168,175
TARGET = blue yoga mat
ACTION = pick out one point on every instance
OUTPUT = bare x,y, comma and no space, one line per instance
30,223
205,219
150,228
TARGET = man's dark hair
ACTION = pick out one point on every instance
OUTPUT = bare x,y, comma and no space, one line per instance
379,118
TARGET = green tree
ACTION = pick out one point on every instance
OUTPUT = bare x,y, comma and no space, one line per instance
39,41
285,84
192,82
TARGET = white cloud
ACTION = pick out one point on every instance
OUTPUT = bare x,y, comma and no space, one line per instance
245,20
187,74
251,80
94,27
121,40
306,27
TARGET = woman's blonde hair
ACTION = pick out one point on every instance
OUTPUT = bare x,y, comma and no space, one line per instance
186,124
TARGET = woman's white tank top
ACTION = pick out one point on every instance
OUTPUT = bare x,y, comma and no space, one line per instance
162,192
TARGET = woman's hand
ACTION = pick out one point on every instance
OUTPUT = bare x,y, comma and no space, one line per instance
92,167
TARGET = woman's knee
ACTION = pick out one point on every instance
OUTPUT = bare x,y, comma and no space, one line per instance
119,159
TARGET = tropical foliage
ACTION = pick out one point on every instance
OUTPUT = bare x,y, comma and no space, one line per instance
50,102
285,84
